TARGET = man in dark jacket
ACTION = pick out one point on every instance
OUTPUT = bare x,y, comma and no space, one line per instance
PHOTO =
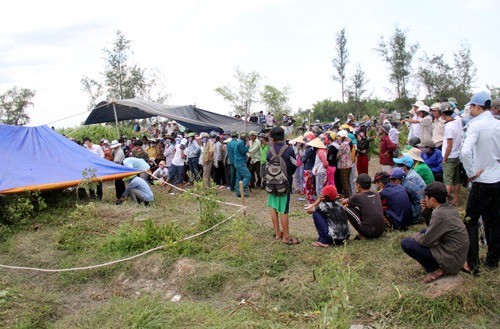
442,247
396,203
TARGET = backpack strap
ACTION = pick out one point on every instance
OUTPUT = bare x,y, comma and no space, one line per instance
282,150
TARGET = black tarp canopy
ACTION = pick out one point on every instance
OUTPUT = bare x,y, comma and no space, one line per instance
189,116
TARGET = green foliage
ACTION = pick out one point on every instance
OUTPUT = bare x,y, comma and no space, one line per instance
208,205
20,208
123,79
242,97
130,238
96,132
398,54
340,61
275,100
13,106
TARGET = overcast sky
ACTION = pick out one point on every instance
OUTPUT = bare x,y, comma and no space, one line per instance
49,45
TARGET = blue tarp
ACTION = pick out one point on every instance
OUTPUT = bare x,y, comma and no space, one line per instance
39,158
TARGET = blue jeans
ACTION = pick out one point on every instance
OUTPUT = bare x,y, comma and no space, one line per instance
322,228
176,172
193,167
421,254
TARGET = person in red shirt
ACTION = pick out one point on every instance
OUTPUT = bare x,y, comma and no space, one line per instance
386,149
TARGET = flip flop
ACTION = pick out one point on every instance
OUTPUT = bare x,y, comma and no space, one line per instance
431,277
319,244
293,241
276,237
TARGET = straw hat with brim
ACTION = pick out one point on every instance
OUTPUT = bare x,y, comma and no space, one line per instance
415,154
317,143
299,139
126,179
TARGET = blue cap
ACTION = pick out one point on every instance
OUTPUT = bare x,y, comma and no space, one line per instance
397,173
406,160
480,98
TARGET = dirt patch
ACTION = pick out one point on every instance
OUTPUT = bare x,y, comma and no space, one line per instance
444,285
150,276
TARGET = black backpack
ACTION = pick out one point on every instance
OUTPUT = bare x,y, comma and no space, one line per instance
276,179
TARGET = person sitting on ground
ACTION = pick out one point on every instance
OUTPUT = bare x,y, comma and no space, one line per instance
413,184
138,190
329,218
161,174
364,210
395,201
442,247
280,205
419,165
433,158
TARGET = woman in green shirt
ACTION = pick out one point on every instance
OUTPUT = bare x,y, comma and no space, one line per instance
420,166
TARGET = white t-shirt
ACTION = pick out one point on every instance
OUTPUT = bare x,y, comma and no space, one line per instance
97,150
178,160
452,129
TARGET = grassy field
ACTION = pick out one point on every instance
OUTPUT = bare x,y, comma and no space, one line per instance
369,283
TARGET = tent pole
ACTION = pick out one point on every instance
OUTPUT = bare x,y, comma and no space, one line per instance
116,120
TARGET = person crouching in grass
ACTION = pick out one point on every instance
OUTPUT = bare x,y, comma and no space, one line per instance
442,247
329,218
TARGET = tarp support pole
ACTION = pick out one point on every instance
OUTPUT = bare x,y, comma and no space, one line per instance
116,120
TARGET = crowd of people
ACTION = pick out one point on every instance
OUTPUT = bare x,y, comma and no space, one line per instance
329,170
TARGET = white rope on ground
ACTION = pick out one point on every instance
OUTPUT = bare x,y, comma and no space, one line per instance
242,208
119,260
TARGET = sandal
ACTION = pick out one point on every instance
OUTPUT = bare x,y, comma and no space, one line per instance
292,241
319,244
431,277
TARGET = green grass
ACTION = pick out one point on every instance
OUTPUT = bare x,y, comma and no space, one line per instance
363,282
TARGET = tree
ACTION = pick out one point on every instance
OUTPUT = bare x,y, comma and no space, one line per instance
327,110
465,70
494,91
398,54
341,60
275,100
356,91
122,79
246,92
436,76
13,105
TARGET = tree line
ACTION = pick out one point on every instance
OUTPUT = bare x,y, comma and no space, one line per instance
120,78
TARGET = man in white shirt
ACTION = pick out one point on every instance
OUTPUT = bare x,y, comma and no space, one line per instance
481,160
415,129
451,152
176,170
437,125
97,150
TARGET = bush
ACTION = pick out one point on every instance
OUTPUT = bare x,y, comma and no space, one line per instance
96,132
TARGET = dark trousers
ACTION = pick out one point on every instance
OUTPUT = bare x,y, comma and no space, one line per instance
322,228
119,188
232,180
194,168
98,192
484,201
421,254
255,172
227,173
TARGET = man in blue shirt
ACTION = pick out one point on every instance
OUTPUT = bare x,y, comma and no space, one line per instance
395,201
240,164
433,158
414,186
138,190
231,145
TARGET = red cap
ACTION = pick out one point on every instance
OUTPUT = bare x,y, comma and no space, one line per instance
329,192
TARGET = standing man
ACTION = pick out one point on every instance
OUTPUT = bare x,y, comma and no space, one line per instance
481,160
254,153
451,152
97,150
207,158
231,145
437,125
193,154
240,164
